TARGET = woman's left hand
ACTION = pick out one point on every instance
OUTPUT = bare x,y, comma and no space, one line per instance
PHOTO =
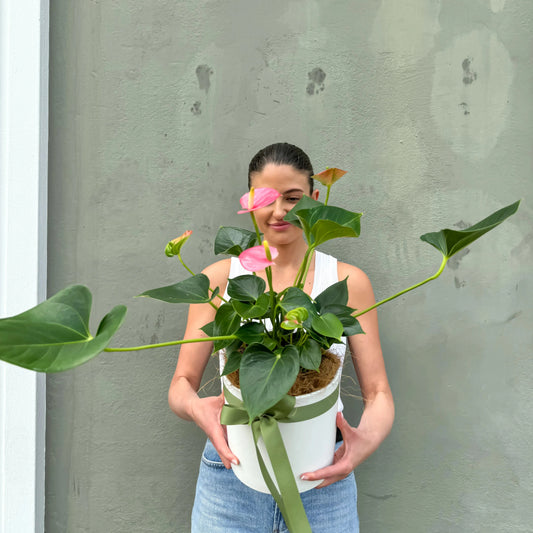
349,454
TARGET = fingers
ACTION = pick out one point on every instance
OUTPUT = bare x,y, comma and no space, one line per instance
219,442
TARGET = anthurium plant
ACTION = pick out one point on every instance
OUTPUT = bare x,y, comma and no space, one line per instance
269,336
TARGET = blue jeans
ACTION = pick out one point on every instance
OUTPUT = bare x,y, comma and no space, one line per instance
223,504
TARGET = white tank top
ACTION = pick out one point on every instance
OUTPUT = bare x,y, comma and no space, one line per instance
325,275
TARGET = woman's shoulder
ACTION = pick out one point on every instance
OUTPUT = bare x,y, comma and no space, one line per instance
357,279
218,272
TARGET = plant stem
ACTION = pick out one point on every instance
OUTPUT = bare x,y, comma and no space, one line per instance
258,233
185,266
171,343
268,272
304,268
435,276
327,195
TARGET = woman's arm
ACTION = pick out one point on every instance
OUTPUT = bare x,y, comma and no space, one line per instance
193,358
378,415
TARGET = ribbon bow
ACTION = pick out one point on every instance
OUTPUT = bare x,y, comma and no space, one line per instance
266,426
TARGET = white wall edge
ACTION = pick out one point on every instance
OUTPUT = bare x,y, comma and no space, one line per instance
24,52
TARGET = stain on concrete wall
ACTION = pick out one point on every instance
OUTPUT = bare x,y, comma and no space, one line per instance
471,91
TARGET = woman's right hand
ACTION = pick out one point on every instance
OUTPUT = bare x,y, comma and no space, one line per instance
205,412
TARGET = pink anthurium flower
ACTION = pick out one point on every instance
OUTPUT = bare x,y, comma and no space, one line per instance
329,176
256,258
257,198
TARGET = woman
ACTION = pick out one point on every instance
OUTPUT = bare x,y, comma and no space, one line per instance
223,503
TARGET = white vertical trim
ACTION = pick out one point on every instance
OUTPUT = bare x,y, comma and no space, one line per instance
24,48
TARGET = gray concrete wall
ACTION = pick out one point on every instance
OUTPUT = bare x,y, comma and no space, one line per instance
156,108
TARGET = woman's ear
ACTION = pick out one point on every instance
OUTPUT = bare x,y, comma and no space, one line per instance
314,194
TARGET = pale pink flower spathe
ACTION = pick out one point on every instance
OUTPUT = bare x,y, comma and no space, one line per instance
255,258
261,197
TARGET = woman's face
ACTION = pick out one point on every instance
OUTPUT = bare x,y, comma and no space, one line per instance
292,184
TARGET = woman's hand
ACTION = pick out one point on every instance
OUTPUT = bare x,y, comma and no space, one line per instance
206,414
350,454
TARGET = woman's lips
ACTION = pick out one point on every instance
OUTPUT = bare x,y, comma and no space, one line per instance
280,226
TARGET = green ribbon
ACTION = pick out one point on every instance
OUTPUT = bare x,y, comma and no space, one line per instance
266,426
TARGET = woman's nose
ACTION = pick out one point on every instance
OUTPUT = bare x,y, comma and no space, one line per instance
279,208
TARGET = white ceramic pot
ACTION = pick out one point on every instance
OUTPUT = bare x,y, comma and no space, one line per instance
310,444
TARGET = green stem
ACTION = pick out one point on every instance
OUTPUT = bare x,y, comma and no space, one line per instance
435,276
327,195
258,233
268,272
306,263
186,267
171,343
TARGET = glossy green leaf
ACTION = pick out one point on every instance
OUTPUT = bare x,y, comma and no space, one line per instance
294,298
193,290
334,294
300,213
246,288
233,241
209,328
310,355
450,241
54,336
250,309
328,325
329,222
251,332
233,356
265,377
227,322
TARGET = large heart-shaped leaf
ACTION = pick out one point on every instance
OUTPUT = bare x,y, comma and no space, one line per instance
265,377
310,355
334,294
246,288
54,336
294,298
329,222
233,241
328,325
251,332
226,322
250,309
299,214
193,290
451,241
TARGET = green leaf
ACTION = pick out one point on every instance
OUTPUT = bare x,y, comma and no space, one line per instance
246,288
351,325
265,377
233,357
252,310
450,241
54,336
329,222
193,290
251,332
334,294
295,298
299,214
233,241
208,329
310,355
227,322
233,363
328,325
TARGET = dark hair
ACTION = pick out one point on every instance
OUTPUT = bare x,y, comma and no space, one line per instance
282,154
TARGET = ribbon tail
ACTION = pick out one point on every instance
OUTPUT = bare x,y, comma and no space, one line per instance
288,497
